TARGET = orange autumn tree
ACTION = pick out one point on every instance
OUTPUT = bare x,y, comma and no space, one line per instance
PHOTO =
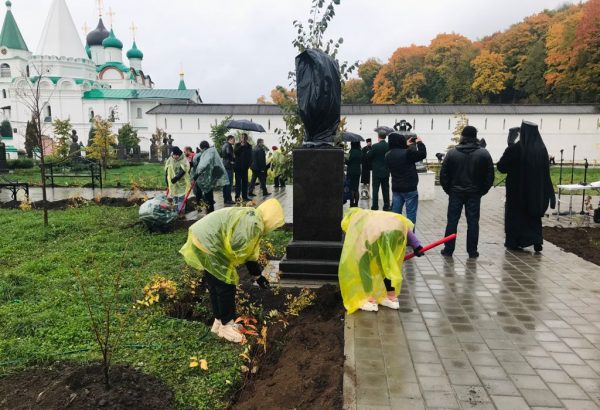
585,62
389,86
491,74
559,46
360,90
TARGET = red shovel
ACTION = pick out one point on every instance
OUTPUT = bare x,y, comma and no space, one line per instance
182,206
432,245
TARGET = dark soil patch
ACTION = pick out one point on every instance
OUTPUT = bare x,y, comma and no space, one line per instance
82,387
74,202
583,242
303,367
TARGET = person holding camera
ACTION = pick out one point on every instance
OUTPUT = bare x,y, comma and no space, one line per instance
401,160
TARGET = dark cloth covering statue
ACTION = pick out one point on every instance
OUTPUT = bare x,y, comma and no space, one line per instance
319,95
529,189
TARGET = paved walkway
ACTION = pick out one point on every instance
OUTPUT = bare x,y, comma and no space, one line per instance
505,331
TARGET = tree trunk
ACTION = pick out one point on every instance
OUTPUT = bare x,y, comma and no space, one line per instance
43,172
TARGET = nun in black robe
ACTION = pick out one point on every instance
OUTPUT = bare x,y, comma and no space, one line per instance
529,189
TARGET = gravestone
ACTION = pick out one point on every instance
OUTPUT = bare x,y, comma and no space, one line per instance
153,151
3,162
137,153
74,148
165,151
121,153
315,251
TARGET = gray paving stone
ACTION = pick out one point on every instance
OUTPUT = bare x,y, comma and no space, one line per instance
525,328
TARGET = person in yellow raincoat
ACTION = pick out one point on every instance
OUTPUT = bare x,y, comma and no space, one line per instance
277,167
218,244
370,271
177,175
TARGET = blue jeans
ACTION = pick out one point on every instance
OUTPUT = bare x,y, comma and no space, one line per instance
412,204
227,188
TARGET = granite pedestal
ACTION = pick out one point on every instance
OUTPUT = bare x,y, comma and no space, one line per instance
315,250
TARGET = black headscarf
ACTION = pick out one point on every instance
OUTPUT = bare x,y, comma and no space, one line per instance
537,187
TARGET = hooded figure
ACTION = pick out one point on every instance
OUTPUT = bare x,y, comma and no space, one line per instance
222,241
176,172
372,255
529,189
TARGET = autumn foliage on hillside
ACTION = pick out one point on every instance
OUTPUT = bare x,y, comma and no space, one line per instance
550,57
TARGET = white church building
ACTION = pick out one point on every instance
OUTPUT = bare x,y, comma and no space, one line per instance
77,82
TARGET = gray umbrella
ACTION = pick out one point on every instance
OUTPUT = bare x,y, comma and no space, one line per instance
351,137
245,125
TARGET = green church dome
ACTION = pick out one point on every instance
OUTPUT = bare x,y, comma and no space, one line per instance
135,52
112,41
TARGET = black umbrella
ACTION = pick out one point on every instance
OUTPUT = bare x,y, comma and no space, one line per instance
351,137
245,125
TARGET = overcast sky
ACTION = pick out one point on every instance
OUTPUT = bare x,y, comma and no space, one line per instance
233,51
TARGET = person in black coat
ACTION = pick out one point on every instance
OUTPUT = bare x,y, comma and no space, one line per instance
365,176
243,159
401,161
229,163
529,189
467,174
259,168
353,171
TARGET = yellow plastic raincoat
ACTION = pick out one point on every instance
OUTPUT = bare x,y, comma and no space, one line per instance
172,168
277,162
223,240
374,249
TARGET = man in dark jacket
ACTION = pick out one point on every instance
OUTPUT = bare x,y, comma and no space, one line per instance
259,168
229,162
243,158
401,162
365,177
381,173
467,174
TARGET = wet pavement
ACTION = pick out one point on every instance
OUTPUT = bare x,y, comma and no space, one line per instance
510,330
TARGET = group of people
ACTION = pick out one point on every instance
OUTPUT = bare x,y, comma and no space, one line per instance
208,169
375,244
466,175
378,162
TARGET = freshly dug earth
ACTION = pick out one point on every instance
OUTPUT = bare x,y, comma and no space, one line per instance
583,242
82,387
304,366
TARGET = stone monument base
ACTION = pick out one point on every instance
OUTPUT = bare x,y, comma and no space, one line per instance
315,250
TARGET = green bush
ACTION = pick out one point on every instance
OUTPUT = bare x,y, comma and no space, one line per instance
21,163
119,163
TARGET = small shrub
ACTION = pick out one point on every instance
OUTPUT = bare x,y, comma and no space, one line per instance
21,163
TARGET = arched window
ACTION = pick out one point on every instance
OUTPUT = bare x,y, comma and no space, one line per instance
181,123
485,126
432,123
198,123
49,111
139,113
92,115
166,124
5,71
3,93
27,71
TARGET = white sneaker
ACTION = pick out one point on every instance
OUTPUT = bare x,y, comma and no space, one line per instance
392,304
231,332
369,307
216,326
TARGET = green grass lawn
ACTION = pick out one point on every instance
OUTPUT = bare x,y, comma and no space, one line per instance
43,317
146,176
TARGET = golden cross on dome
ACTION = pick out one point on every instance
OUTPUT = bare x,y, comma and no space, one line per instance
100,7
85,28
111,15
133,29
